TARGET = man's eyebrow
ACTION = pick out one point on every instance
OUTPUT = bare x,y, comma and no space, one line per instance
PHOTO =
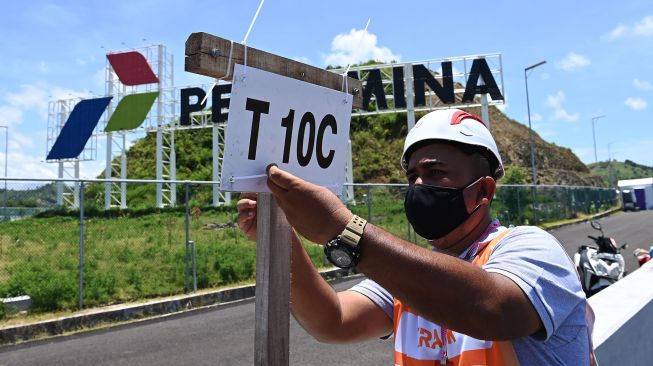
425,163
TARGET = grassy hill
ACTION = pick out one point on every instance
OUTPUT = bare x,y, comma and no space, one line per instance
38,196
377,143
613,171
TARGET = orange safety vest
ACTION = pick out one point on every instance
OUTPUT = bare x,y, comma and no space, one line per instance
418,343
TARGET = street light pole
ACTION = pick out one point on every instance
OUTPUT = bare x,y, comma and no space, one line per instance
6,175
616,175
610,164
594,136
530,137
530,130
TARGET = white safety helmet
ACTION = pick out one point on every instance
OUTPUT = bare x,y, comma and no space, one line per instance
452,125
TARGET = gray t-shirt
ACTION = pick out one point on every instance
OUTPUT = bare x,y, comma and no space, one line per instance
539,265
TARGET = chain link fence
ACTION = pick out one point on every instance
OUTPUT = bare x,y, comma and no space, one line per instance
66,259
382,204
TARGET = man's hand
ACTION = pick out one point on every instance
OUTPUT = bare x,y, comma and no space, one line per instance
314,211
247,214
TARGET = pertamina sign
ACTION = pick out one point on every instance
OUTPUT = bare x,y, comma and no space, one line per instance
395,87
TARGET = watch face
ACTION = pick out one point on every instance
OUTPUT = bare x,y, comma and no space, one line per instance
341,258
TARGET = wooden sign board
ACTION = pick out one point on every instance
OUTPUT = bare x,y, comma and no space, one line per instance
209,55
216,57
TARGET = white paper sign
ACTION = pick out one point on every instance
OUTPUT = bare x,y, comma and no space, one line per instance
301,127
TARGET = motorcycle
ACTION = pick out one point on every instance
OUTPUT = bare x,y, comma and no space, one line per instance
643,255
599,266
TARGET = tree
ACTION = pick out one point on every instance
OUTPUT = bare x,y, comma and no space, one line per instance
514,175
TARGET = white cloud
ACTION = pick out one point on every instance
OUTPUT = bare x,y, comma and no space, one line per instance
565,116
51,15
555,101
10,116
641,28
29,97
618,32
644,27
642,85
559,113
28,166
45,68
35,97
91,169
573,61
636,104
357,46
20,141
99,79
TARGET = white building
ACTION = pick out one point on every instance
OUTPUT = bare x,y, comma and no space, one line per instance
643,190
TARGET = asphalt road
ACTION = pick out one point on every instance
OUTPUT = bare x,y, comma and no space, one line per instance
222,336
225,336
633,228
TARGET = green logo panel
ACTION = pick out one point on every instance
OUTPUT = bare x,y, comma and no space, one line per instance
131,112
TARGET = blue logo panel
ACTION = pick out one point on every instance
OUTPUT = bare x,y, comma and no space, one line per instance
78,128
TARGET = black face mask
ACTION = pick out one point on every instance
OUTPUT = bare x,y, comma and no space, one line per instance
435,211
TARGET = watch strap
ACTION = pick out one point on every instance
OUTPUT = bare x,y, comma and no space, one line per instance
353,231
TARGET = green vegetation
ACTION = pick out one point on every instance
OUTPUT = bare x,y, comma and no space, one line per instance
140,253
136,254
128,256
613,171
38,196
514,175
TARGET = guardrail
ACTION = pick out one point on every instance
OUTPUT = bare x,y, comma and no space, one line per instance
624,320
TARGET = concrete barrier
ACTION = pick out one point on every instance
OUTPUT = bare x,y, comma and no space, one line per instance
623,331
116,314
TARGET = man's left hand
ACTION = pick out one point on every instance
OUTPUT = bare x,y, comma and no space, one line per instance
315,212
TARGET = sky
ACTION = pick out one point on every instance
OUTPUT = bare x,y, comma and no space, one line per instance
598,57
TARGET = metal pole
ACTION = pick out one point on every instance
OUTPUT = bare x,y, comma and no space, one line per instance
216,163
610,164
81,245
349,175
123,173
410,95
110,85
369,204
594,139
60,185
159,131
407,230
187,214
485,113
594,136
192,245
530,139
6,175
76,185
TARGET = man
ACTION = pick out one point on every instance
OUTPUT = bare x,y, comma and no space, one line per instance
485,294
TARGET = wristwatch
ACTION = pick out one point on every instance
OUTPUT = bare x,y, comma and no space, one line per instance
343,251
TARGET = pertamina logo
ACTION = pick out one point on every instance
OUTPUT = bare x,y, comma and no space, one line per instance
132,69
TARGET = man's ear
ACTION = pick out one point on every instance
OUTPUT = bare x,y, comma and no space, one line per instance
486,189
480,194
